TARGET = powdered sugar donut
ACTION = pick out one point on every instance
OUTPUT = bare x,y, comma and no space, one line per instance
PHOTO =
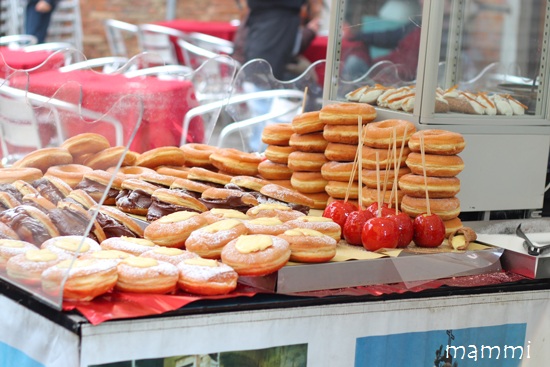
206,277
146,275
208,241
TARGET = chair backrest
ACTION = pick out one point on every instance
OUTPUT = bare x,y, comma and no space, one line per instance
49,46
106,64
215,44
18,40
121,36
11,16
162,72
66,23
158,40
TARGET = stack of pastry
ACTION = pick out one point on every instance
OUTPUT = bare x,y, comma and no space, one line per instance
275,167
441,164
308,157
342,133
385,145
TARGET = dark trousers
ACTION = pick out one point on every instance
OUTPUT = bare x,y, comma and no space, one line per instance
36,23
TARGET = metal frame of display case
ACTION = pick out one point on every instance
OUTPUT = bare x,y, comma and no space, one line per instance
506,158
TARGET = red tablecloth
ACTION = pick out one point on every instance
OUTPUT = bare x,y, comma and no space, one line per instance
165,103
223,30
21,60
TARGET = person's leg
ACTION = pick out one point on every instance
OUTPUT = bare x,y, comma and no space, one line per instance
37,23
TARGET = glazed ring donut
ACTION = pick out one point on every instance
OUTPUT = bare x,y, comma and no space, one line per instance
380,134
85,143
307,122
436,165
162,181
204,175
256,255
277,134
130,245
27,268
340,152
45,158
447,208
286,195
438,187
438,142
12,247
278,153
206,277
452,225
170,255
130,171
71,245
370,177
193,188
71,174
249,182
198,155
235,162
343,134
146,275
321,224
312,143
369,158
174,171
109,157
161,156
370,196
346,113
172,230
309,246
270,210
208,241
308,182
338,189
274,171
338,171
84,279
266,225
27,174
309,162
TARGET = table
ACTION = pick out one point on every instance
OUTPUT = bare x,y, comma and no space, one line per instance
20,60
165,103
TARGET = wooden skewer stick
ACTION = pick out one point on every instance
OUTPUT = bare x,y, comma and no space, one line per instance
398,165
358,152
360,164
428,211
388,166
379,211
395,173
392,152
304,99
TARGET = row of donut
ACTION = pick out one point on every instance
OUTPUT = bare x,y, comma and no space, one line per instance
450,100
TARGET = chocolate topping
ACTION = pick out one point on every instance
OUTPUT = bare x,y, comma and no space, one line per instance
71,222
27,228
48,190
194,194
10,189
159,209
112,227
133,199
94,187
231,202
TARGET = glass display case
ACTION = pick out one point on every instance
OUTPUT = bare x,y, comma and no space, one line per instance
477,67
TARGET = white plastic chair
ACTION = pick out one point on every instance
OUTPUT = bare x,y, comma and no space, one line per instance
119,36
162,72
49,46
157,39
217,45
18,40
106,64
12,16
66,24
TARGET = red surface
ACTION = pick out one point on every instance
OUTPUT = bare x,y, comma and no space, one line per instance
21,60
165,103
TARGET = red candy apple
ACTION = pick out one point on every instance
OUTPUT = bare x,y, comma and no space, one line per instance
338,211
405,226
429,230
380,232
373,208
354,226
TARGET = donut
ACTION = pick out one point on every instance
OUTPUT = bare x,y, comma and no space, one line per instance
283,183
302,161
198,155
12,247
85,143
116,223
447,208
173,229
312,143
109,157
52,188
82,279
146,275
341,152
71,174
71,245
7,201
256,255
45,158
437,141
135,196
130,245
338,171
157,179
73,219
319,199
161,156
270,210
307,122
174,171
343,134
321,224
380,134
81,198
274,171
30,224
370,196
436,165
266,225
309,246
193,188
107,255
206,277
217,214
25,188
12,174
286,195
208,241
236,162
277,134
7,233
278,153
308,182
249,182
338,189
208,177
331,200
27,268
130,171
166,201
345,113
384,159
438,187
95,185
228,199
39,202
370,177
170,255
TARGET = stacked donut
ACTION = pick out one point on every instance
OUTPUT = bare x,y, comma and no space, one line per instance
308,157
342,133
442,165
275,167
379,142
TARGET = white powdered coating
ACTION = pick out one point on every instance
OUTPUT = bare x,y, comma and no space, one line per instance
172,259
7,251
323,227
121,244
203,273
19,267
275,229
136,273
80,267
88,243
201,240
